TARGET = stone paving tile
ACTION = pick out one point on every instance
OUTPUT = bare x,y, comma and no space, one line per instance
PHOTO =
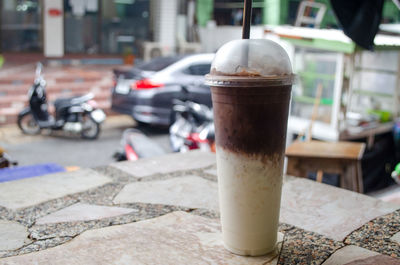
83,212
12,235
115,174
376,260
393,198
167,163
28,192
396,237
72,229
176,238
212,171
376,235
36,246
102,195
302,247
186,191
353,255
50,235
328,210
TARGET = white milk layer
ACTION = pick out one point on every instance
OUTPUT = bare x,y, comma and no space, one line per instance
249,195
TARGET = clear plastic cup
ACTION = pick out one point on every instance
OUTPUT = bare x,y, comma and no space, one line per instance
251,84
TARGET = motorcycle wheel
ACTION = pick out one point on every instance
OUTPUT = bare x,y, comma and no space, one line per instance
178,132
90,128
28,124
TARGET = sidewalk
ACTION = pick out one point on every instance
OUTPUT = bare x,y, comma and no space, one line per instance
66,77
11,134
164,210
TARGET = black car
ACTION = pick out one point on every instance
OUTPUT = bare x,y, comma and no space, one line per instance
146,92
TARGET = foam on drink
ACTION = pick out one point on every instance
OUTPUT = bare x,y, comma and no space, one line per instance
251,83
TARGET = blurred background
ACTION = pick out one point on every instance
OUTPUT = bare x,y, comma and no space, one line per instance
342,92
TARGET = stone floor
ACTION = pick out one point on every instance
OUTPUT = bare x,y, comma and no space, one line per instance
165,211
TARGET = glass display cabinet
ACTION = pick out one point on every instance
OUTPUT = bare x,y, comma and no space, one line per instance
360,89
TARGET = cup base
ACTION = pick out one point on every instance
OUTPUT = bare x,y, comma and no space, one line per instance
252,252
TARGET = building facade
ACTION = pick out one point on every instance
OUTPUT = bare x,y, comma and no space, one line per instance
59,27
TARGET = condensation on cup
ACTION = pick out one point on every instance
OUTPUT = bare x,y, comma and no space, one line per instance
251,83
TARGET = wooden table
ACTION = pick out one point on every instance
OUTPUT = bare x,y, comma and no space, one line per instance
343,158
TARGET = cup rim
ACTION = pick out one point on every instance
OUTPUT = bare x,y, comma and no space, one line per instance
252,81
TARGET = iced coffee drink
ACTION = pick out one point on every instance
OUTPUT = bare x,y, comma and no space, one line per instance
251,83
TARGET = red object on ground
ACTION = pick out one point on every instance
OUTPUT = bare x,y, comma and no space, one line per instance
130,153
195,141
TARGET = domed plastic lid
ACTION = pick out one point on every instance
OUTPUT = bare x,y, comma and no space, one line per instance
254,58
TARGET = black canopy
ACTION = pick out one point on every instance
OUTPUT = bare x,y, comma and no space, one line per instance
359,19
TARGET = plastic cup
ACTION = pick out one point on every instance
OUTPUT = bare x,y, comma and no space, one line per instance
250,83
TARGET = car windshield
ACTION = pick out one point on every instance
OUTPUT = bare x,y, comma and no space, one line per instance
159,63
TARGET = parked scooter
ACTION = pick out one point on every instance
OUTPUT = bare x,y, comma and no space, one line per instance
136,145
78,115
193,127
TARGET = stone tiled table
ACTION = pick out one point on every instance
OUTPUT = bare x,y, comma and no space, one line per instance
165,211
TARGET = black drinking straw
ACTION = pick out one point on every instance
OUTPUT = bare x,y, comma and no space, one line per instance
246,31
246,19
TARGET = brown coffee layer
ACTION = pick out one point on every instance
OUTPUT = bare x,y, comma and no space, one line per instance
251,120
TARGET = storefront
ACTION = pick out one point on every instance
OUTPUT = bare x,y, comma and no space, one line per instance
83,26
105,26
21,26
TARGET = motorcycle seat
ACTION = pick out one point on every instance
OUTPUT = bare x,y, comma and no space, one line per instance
61,103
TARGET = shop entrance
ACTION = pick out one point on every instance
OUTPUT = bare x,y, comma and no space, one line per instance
105,26
21,26
81,18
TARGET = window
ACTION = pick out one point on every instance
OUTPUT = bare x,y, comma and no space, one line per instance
21,25
230,12
81,20
124,24
159,63
198,69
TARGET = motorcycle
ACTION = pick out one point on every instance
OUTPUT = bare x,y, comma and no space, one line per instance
78,115
135,145
193,127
